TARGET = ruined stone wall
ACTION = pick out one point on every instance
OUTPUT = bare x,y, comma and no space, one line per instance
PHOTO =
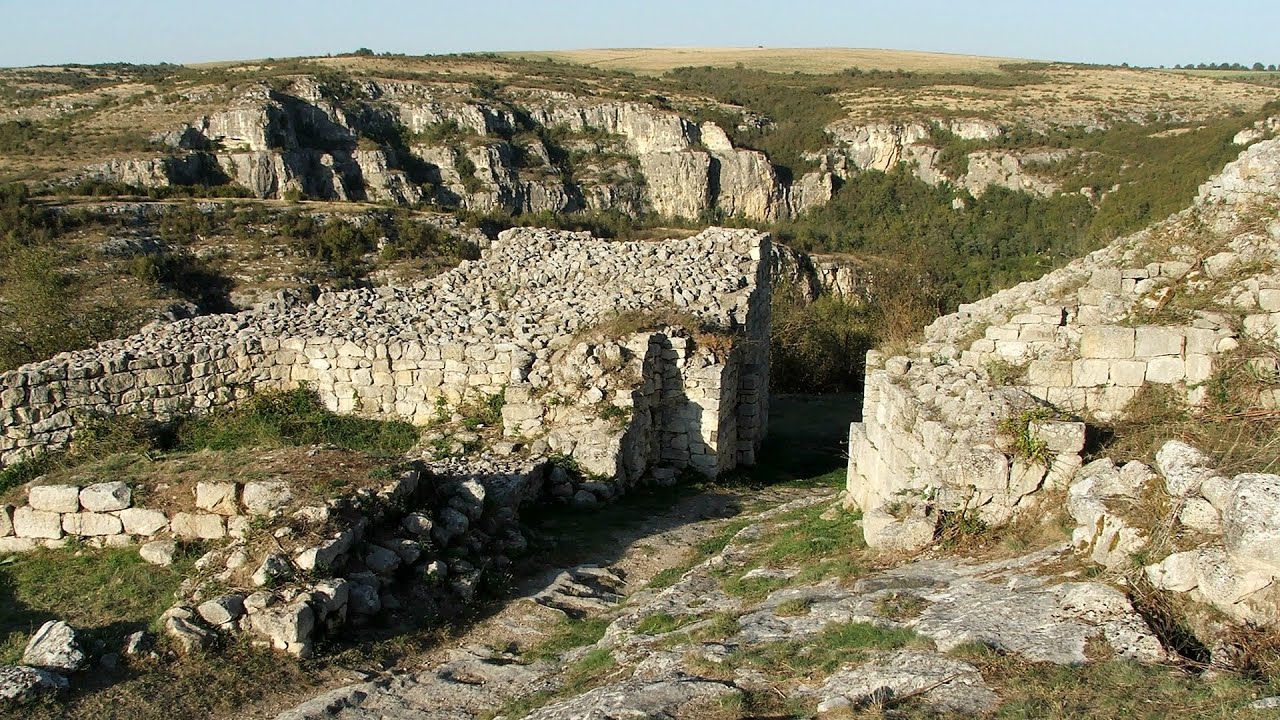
505,322
1155,308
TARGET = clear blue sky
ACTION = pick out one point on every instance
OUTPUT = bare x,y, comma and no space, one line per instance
1140,32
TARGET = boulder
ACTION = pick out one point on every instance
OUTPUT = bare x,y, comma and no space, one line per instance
261,497
287,627
222,611
6,520
55,647
1183,467
160,552
381,560
20,684
189,636
217,497
1251,520
106,497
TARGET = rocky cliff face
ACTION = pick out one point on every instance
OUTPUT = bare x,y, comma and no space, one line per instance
882,146
406,143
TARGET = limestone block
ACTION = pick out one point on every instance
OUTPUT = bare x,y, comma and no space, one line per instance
983,468
159,552
31,523
1110,400
1154,341
6,520
16,545
140,521
198,526
217,497
91,524
1251,522
1049,373
1184,468
1201,341
1107,342
105,497
1225,582
1177,573
1199,514
1166,370
263,496
1062,469
287,627
1058,436
1090,373
1198,368
883,531
1128,373
1025,478
54,498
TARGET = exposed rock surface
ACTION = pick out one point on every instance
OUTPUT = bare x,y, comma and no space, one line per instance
55,647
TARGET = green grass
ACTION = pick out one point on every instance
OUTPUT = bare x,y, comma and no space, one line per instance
569,635
105,593
662,623
836,645
291,417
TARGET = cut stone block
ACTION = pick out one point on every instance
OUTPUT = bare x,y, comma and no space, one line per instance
105,497
1107,342
140,521
1166,370
31,523
1090,373
198,527
1153,341
91,524
217,497
54,498
1128,373
1060,437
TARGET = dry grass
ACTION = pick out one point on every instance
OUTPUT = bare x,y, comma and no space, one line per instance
1070,95
656,61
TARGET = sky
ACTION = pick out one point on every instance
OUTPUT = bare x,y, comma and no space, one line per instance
1139,32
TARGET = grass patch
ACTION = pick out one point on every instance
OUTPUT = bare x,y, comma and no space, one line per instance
836,645
579,677
806,537
107,594
901,606
662,623
569,635
1111,689
200,685
292,417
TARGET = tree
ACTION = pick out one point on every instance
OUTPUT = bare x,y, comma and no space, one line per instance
363,52
1258,66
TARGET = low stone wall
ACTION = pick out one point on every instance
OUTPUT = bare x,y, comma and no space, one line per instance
502,322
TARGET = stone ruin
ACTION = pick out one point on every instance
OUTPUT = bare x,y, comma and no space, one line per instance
517,321
987,417
630,361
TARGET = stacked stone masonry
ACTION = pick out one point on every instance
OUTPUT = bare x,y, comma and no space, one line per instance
517,320
1079,343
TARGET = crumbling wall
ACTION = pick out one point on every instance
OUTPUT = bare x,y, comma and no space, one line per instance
503,323
948,426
